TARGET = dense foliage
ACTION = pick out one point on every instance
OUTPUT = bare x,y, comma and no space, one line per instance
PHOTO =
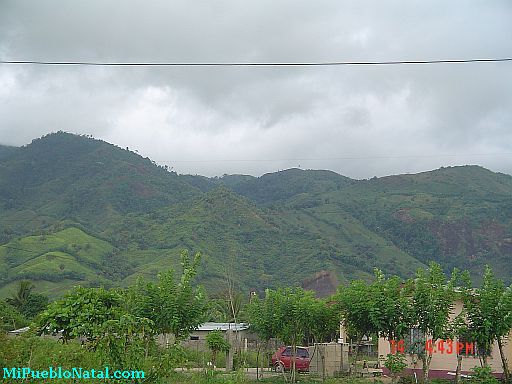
293,316
217,343
391,309
74,210
121,324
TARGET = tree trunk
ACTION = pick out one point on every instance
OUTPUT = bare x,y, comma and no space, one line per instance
427,358
506,373
457,371
294,358
258,362
484,359
359,340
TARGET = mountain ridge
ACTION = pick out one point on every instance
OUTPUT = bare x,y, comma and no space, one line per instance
281,228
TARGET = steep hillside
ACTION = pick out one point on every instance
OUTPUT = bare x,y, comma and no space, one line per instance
459,216
74,210
257,247
6,151
67,176
56,261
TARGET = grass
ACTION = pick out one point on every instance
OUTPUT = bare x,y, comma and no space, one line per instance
54,262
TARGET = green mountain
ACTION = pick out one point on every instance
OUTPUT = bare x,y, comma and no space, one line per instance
6,151
75,210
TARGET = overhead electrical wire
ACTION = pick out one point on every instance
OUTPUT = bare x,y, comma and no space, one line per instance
253,64
334,158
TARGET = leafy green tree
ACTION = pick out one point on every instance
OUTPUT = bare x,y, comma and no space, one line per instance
291,314
81,313
354,303
391,306
97,317
35,304
125,341
432,303
459,329
382,307
264,318
175,308
324,319
10,318
227,308
23,291
489,315
28,303
396,364
217,343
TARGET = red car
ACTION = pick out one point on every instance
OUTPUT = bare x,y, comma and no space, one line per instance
282,359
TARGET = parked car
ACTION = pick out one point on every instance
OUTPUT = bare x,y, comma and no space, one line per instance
282,359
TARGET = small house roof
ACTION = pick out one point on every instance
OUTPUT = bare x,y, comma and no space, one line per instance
18,331
210,326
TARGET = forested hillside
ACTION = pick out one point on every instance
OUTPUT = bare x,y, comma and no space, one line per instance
75,210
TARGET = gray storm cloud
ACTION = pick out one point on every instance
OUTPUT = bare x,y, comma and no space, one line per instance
359,121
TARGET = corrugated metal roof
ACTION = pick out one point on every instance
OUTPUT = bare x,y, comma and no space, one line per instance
209,326
18,331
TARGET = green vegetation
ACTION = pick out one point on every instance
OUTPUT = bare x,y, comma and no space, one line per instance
389,309
173,308
217,343
396,364
79,211
432,302
488,312
118,327
27,302
293,316
10,317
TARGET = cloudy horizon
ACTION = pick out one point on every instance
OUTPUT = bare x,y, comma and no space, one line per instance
358,121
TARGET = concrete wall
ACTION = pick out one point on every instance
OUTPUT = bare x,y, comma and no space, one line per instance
199,340
328,359
442,363
445,363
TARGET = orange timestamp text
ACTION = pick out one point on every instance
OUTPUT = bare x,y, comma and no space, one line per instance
441,346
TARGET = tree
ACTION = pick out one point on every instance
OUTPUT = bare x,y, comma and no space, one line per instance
354,304
27,302
391,306
489,315
432,304
324,319
217,343
97,317
395,363
175,308
383,307
459,329
263,319
226,307
10,318
23,292
81,313
35,304
291,314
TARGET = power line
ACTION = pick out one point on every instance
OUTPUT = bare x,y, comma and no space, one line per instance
335,158
252,64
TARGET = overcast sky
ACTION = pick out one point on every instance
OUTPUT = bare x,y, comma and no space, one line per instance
358,121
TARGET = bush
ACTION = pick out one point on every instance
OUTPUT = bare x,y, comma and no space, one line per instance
396,364
482,375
